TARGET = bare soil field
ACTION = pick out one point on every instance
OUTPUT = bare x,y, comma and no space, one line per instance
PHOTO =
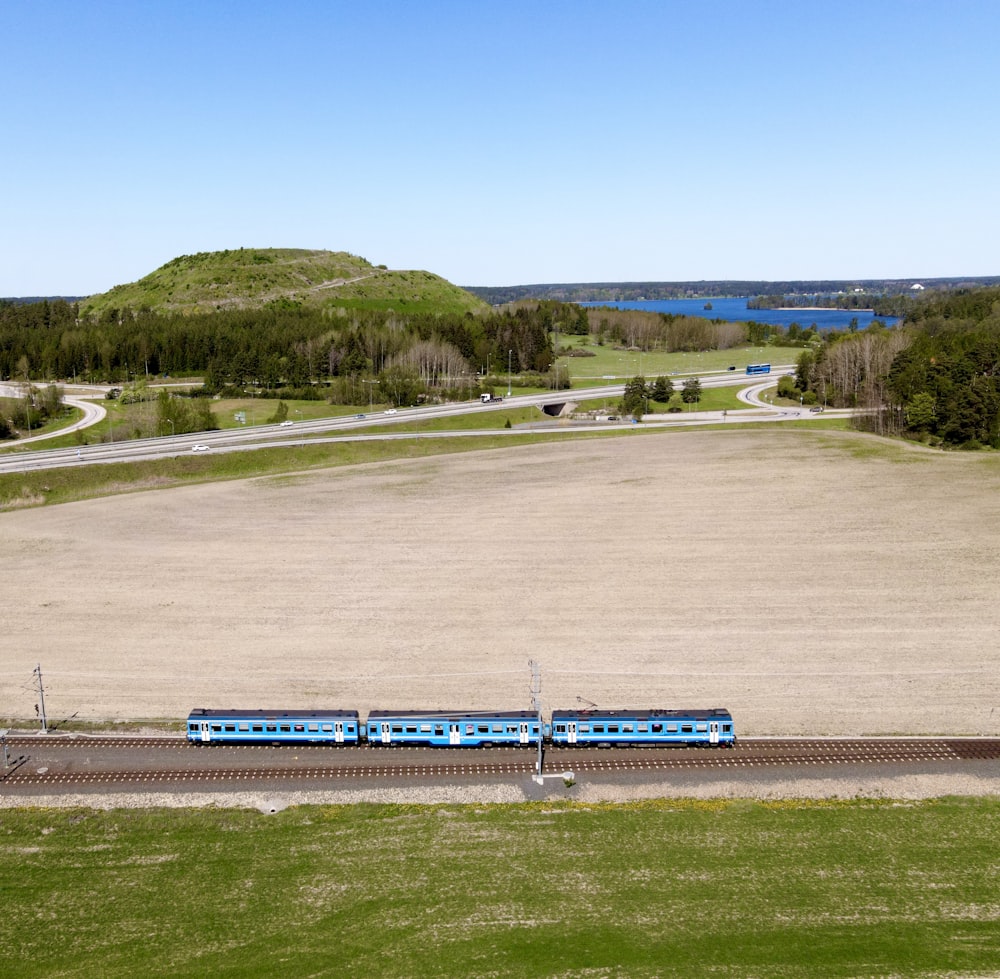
810,582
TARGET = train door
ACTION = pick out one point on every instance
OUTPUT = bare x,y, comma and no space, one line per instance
386,732
713,732
571,732
338,732
206,732
524,732
454,734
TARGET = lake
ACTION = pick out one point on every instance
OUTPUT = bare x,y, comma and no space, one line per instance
735,310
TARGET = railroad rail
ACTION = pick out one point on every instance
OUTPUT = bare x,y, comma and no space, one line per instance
62,763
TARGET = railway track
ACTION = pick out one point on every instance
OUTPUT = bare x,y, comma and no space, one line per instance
54,764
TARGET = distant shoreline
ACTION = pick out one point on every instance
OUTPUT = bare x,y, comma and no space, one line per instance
818,309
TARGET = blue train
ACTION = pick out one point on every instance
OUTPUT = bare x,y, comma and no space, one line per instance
464,729
608,727
268,726
446,730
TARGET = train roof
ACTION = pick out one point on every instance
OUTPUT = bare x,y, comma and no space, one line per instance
640,713
470,715
204,713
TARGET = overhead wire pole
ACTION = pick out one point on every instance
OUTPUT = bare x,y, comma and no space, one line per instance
536,706
40,706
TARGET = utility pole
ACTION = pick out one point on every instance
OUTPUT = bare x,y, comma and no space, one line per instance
40,706
536,706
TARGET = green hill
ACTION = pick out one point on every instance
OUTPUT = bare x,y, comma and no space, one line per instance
257,277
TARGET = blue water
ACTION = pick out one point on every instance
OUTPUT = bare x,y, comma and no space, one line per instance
735,310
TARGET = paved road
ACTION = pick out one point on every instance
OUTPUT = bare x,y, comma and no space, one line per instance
358,428
92,413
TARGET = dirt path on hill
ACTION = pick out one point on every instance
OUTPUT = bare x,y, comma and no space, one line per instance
809,582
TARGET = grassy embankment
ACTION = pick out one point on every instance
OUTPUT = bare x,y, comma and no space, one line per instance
85,482
660,888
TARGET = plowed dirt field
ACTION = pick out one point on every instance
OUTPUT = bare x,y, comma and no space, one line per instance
810,582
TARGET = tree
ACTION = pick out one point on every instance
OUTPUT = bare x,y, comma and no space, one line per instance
280,414
400,385
921,412
691,391
205,420
662,390
787,388
805,369
634,398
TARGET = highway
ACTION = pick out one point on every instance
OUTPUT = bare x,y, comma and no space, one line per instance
359,427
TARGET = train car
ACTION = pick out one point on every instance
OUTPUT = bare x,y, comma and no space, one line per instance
654,727
462,729
206,726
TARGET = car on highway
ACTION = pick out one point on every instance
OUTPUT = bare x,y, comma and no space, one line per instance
390,411
362,415
285,423
199,448
816,408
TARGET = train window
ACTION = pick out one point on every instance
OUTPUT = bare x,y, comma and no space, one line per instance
243,726
727,728
231,727
626,728
701,727
313,727
484,729
284,728
598,729
584,728
192,727
397,728
439,730
411,728
425,729
258,728
643,727
328,727
470,729
671,729
657,728
217,728
272,728
612,729
498,729
686,728
299,728
560,729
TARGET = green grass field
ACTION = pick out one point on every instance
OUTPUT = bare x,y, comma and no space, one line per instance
662,888
610,364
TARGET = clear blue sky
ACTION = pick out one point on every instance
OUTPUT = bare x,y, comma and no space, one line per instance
501,143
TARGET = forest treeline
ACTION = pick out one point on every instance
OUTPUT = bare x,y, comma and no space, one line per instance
896,305
270,346
585,292
294,347
936,377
